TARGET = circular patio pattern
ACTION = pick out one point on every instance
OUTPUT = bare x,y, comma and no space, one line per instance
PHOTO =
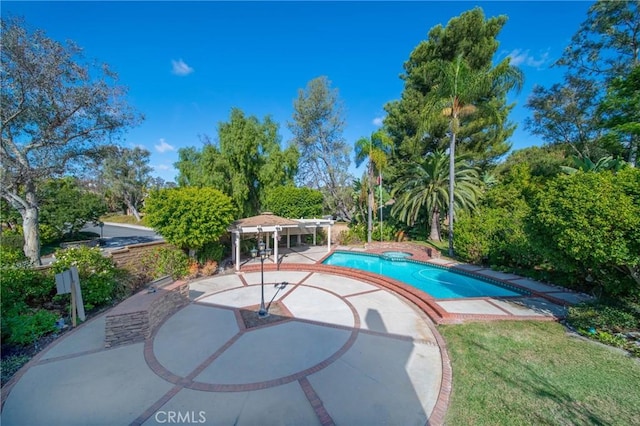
304,343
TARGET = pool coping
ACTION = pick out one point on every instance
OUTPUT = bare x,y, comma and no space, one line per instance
439,411
490,280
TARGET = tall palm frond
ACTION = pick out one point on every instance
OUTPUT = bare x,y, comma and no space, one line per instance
455,96
425,186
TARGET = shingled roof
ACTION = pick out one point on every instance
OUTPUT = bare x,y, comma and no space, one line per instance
265,219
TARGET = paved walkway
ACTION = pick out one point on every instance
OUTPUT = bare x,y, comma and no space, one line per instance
339,347
340,351
540,301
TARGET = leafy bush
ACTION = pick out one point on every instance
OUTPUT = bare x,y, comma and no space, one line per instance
193,269
587,225
189,217
495,236
98,274
23,290
356,234
294,202
48,234
603,317
66,208
163,261
211,251
26,329
388,232
23,287
12,256
11,240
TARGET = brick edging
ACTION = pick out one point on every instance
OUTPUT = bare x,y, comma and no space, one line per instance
420,299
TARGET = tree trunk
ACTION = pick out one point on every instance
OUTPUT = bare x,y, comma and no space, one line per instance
434,234
30,217
634,145
132,208
369,205
452,176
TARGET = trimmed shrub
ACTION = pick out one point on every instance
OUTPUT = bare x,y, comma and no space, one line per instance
98,274
294,202
189,217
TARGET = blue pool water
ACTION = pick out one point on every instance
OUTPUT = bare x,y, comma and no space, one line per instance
439,283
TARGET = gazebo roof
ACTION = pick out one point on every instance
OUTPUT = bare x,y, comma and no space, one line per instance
265,219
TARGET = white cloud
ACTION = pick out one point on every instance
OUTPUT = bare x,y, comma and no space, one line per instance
162,167
523,57
377,121
163,146
181,68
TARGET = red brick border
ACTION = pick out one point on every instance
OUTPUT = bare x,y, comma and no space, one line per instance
422,301
190,383
316,402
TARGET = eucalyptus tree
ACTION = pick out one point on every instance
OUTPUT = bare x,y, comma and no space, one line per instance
563,114
425,186
457,96
607,44
376,150
605,48
317,126
57,111
127,174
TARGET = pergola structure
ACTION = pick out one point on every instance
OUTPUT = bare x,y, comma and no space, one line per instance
269,226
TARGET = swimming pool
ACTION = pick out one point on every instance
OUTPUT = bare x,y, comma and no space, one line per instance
439,283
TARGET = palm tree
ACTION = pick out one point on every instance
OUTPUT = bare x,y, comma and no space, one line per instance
426,186
460,92
376,150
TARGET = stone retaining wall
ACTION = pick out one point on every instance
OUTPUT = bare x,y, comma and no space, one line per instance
136,318
129,257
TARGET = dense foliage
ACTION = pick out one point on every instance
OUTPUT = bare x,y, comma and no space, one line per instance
317,126
164,261
189,217
58,110
247,162
24,291
66,207
422,191
581,230
470,39
593,112
99,277
30,306
293,202
494,234
126,172
587,225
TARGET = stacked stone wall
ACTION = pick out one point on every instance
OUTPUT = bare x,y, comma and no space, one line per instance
136,318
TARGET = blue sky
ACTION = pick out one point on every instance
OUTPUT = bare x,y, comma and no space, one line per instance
187,64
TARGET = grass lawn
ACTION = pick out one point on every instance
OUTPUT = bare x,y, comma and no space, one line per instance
121,218
533,373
